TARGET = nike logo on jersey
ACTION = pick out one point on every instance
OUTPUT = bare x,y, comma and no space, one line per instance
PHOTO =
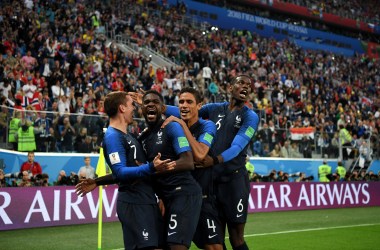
221,115
239,215
129,142
171,233
212,236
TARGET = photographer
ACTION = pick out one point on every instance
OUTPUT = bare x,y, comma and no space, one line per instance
3,182
64,180
25,180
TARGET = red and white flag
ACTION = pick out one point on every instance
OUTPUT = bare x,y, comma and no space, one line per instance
299,133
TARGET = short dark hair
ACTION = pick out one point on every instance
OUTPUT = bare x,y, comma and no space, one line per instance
152,91
192,91
112,102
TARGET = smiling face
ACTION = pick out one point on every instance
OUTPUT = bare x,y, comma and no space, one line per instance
152,108
188,107
241,88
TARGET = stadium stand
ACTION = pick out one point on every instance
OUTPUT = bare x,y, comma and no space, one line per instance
58,57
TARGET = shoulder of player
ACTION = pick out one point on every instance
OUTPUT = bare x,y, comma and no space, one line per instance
215,105
207,124
172,125
249,112
113,135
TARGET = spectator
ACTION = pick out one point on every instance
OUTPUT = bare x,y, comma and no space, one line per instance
95,143
285,150
265,135
43,124
87,168
365,153
67,132
305,147
276,152
86,146
294,151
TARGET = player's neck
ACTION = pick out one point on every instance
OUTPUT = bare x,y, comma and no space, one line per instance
191,121
236,104
119,124
155,124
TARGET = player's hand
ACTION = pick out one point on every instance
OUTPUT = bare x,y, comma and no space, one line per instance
207,161
137,96
165,165
170,119
85,186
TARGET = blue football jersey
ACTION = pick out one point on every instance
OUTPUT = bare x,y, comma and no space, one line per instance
170,142
204,132
236,127
124,151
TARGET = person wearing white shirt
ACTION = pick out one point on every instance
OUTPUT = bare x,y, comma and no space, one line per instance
5,88
63,105
206,74
87,168
29,88
56,90
289,82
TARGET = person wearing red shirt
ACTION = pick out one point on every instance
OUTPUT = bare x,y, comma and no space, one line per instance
31,166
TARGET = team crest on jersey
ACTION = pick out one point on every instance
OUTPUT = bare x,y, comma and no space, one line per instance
145,234
159,138
237,123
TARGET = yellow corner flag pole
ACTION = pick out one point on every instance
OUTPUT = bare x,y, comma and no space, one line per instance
100,171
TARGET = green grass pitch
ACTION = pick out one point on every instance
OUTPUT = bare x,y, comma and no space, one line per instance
333,229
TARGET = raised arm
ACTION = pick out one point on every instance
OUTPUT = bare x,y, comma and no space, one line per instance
242,138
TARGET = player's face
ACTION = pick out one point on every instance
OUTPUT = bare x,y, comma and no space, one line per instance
241,88
128,109
152,108
188,107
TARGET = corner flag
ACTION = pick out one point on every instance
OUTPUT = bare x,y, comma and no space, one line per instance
101,167
100,171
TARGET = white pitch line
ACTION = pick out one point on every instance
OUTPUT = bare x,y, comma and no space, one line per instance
311,229
301,230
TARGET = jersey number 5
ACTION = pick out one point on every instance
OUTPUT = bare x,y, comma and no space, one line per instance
218,124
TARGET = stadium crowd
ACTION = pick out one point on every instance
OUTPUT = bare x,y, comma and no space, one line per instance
365,11
57,60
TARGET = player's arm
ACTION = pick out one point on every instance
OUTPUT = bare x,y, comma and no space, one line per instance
202,144
242,138
87,185
116,158
181,146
